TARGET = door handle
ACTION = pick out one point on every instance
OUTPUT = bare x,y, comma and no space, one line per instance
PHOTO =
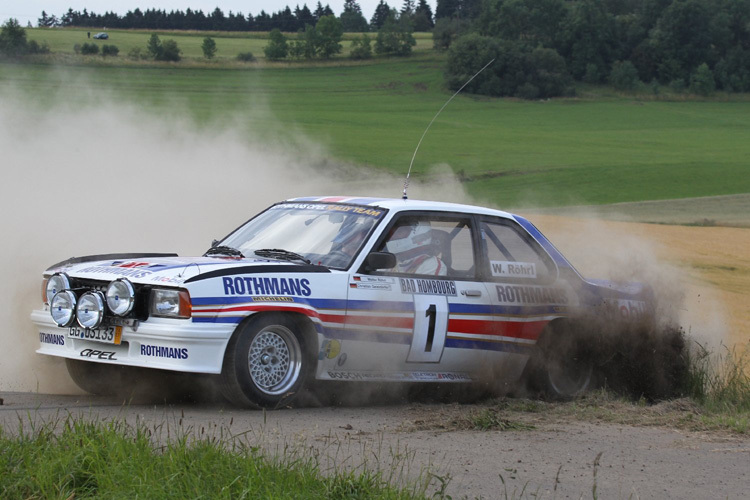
471,293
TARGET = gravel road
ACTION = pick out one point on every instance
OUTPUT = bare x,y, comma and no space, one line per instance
554,459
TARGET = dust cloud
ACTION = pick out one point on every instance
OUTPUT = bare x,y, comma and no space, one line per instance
113,178
621,252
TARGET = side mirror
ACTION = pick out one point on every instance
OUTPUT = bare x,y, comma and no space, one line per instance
214,243
380,260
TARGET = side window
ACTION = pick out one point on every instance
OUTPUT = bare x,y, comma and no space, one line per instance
431,246
512,256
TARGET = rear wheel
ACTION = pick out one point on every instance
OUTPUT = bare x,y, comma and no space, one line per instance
268,362
562,366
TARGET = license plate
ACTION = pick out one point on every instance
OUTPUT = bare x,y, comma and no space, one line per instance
106,334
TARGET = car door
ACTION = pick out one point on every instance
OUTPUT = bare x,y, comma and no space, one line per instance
415,318
523,282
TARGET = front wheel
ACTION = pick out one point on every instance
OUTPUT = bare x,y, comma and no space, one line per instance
267,363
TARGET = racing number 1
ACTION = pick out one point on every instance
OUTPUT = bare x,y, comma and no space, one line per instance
431,313
430,328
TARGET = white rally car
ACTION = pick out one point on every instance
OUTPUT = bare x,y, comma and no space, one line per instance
333,288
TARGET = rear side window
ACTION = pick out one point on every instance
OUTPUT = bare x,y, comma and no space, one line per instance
511,254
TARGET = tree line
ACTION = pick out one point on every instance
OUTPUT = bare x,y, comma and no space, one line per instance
286,19
541,46
323,40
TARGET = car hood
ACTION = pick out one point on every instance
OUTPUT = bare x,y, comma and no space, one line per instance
172,270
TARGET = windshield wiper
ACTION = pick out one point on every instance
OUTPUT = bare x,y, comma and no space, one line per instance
280,254
223,250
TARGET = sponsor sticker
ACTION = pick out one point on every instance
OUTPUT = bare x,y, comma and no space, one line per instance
95,353
519,294
406,376
371,212
168,279
51,338
267,287
330,349
271,298
512,269
631,309
157,351
128,272
427,286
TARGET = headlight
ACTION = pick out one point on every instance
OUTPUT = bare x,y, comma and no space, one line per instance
90,310
56,283
170,303
62,307
120,297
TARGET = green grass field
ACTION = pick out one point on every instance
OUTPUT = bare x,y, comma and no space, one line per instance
229,44
595,149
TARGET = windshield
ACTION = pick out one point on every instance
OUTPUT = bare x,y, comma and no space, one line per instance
324,234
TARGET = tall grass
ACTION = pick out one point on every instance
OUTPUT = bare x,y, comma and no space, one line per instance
79,457
720,383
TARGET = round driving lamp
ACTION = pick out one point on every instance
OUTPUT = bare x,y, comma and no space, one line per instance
120,297
62,308
57,283
90,310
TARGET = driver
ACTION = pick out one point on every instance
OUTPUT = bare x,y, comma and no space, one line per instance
345,244
412,245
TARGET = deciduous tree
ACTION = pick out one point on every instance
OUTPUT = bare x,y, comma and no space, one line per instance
330,32
208,47
13,39
395,37
277,47
361,48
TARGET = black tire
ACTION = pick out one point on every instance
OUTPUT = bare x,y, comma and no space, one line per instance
268,362
562,365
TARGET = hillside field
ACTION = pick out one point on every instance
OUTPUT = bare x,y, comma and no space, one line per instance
592,149
229,44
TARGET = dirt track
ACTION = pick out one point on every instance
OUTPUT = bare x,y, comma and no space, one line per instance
555,459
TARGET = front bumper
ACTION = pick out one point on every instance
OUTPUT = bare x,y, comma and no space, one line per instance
161,343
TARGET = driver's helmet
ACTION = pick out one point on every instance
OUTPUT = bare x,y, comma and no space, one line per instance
410,241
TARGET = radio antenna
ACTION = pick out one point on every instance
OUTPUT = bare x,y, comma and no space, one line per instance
406,182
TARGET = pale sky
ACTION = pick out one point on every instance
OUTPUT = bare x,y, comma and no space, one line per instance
31,10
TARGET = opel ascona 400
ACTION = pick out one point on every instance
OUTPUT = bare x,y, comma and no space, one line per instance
333,288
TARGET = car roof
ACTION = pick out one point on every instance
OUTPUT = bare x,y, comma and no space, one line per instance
398,204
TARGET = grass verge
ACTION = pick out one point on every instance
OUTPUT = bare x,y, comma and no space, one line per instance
720,384
75,458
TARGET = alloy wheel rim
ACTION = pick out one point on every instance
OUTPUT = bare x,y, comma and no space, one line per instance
274,360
